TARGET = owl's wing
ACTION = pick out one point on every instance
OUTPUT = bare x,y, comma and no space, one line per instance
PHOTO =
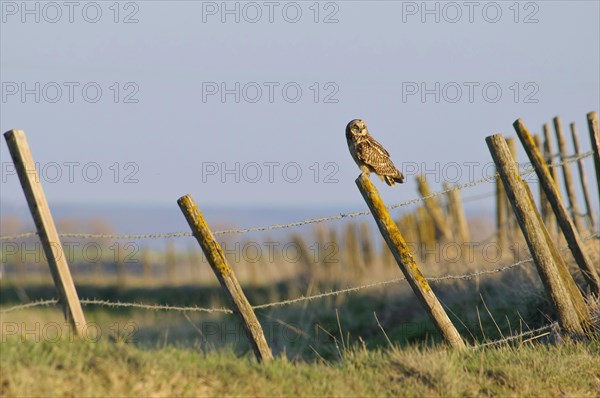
378,146
373,154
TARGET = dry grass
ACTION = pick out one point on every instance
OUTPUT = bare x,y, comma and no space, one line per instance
105,369
335,343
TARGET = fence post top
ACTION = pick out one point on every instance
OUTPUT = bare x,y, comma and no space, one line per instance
494,137
185,197
14,132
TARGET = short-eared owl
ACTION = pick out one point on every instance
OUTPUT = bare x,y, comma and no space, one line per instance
369,154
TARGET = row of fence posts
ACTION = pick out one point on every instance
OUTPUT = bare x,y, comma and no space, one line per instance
537,229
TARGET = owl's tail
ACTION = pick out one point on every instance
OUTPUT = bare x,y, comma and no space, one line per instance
391,180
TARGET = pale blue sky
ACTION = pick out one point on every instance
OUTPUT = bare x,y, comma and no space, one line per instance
367,58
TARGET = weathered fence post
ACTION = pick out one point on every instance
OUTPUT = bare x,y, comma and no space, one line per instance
407,263
545,207
435,212
213,252
511,220
583,178
44,223
411,225
549,158
566,167
457,211
566,224
426,232
561,266
533,231
592,119
500,214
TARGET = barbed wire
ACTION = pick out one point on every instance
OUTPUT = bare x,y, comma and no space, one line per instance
117,304
165,307
267,305
39,303
470,184
438,279
517,336
524,334
466,276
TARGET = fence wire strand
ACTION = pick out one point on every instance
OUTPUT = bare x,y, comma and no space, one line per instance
526,170
437,279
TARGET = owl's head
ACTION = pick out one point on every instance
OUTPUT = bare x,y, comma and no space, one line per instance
356,127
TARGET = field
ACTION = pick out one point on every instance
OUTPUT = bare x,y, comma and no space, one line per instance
342,311
373,341
67,369
192,204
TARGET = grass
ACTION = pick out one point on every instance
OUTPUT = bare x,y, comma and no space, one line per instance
304,330
333,346
115,369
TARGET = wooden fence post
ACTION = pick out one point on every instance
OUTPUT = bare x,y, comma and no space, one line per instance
583,179
407,223
501,223
213,252
44,223
435,212
511,220
550,154
407,263
545,207
532,230
592,119
569,283
457,211
549,158
566,224
566,167
426,233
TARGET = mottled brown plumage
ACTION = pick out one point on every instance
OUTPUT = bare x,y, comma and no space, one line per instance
369,154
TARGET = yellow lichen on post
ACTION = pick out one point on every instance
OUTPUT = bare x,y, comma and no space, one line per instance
215,256
406,261
197,223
